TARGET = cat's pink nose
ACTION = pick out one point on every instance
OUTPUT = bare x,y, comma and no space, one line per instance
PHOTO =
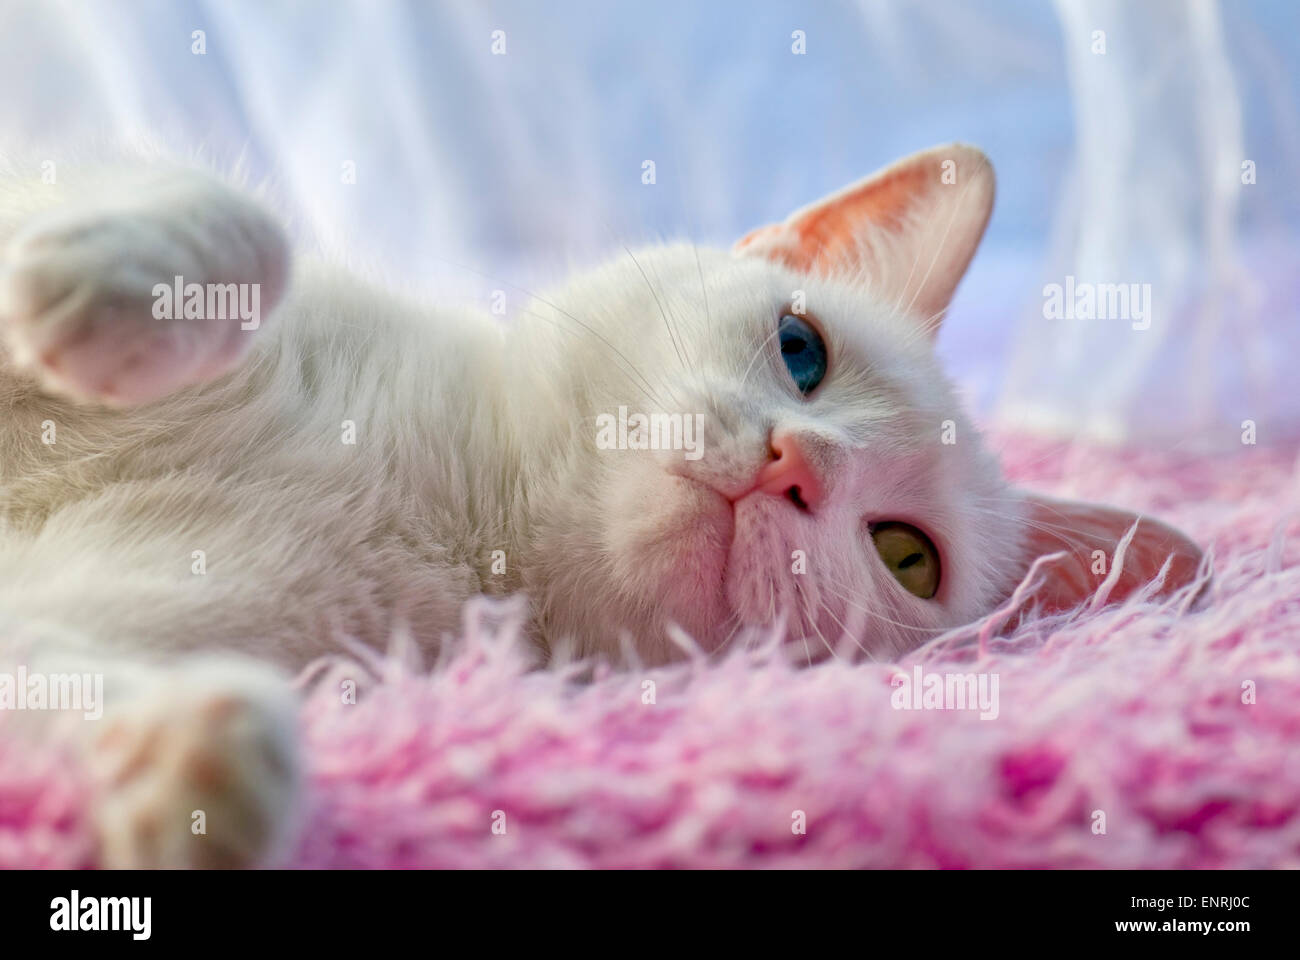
788,474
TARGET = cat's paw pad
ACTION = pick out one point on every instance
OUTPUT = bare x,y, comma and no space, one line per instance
82,305
199,777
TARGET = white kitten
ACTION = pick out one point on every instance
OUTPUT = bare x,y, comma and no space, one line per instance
191,503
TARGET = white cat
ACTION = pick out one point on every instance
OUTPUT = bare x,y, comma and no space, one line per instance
195,499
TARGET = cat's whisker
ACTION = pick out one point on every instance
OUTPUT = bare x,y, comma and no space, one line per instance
667,325
704,290
757,353
957,209
654,386
871,613
1060,533
917,331
812,621
844,631
677,323
924,329
731,635
647,389
542,300
1042,505
1055,530
807,652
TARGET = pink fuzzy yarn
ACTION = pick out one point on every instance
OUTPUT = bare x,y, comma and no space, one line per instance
1134,710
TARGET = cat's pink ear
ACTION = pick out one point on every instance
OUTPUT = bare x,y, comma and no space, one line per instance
909,230
1089,535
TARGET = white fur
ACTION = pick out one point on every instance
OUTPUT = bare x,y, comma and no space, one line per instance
471,437
620,540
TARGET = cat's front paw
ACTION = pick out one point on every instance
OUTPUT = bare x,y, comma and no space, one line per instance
202,773
88,300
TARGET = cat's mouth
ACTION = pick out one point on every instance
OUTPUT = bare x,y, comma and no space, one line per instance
752,556
719,553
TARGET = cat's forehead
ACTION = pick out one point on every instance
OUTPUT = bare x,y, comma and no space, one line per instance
728,307
727,287
662,304
860,326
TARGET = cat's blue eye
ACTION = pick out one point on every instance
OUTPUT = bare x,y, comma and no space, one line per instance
803,351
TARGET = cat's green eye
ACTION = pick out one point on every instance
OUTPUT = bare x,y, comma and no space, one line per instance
910,556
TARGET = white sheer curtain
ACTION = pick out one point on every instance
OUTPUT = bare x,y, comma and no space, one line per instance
1154,196
473,167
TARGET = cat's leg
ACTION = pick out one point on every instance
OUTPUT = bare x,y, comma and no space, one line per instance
192,746
134,289
192,760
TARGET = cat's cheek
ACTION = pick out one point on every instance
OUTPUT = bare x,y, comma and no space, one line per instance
669,539
759,588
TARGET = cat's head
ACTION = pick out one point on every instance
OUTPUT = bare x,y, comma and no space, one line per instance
720,440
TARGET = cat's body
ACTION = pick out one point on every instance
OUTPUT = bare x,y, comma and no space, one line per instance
359,463
342,494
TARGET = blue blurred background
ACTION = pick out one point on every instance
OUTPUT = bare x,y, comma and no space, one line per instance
474,169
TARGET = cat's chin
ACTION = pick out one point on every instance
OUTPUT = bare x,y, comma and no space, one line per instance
671,538
759,585
712,565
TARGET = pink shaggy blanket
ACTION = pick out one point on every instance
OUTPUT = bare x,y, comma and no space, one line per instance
1178,727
